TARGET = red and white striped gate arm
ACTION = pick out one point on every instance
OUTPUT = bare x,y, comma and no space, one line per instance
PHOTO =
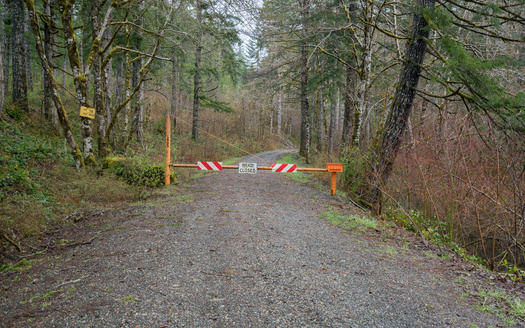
284,168
209,166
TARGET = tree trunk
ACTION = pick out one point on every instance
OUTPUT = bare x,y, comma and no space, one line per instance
19,56
80,80
218,77
362,115
304,147
396,122
64,68
98,98
174,89
106,77
332,130
50,112
320,119
197,78
75,61
279,106
62,115
29,63
2,93
139,113
350,108
6,42
2,49
127,108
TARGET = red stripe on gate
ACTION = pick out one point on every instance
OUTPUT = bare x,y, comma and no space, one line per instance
284,168
209,166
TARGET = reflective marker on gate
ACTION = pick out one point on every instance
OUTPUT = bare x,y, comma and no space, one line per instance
209,166
284,168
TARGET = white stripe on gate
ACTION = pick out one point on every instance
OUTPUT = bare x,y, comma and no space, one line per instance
284,168
209,166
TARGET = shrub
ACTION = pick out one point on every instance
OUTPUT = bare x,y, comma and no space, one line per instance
354,168
139,174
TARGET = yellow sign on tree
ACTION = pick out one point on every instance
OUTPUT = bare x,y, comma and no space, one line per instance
87,112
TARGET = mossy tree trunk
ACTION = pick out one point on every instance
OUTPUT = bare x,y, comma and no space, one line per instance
320,119
29,62
388,140
197,76
81,77
349,106
49,76
304,147
174,89
98,90
2,49
19,56
50,112
333,125
80,80
6,43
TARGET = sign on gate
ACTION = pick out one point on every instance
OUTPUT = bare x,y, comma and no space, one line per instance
248,168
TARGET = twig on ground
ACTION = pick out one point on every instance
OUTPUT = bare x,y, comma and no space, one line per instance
12,242
89,241
70,282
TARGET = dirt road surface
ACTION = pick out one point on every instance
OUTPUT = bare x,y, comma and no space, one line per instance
235,250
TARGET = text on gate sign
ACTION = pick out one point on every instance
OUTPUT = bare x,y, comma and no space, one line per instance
248,168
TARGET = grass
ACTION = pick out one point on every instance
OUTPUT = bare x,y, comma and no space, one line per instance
20,266
501,304
129,299
44,296
349,222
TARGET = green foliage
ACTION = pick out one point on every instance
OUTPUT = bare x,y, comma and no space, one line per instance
500,303
432,229
218,106
411,221
140,174
24,264
513,272
19,154
352,221
481,90
354,168
15,113
44,296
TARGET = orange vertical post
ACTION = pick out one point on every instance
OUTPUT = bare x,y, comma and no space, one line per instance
334,181
168,149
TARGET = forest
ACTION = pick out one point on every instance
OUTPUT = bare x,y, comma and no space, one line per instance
422,101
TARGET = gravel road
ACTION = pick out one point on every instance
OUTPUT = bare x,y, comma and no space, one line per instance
234,250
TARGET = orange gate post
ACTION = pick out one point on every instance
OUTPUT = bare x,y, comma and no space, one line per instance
334,168
168,149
